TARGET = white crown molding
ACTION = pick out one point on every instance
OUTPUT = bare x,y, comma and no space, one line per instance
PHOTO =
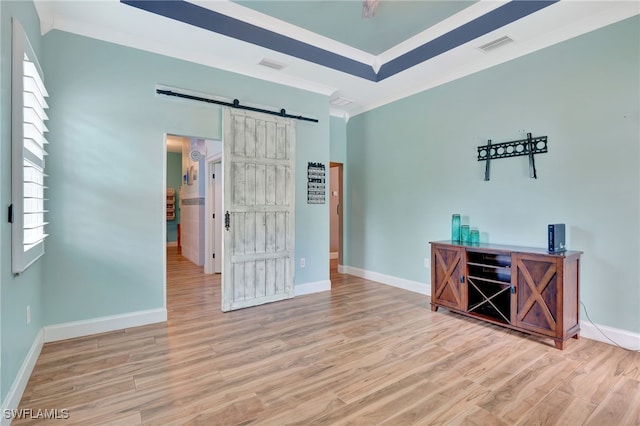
339,114
598,18
552,24
204,58
45,15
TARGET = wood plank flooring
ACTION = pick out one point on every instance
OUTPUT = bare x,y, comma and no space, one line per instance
362,354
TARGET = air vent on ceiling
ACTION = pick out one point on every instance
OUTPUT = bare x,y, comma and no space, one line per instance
270,63
496,43
340,101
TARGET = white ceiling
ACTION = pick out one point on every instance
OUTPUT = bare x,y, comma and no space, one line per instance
120,23
342,20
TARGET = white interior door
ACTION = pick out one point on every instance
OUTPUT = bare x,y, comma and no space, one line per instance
217,209
211,221
214,218
259,205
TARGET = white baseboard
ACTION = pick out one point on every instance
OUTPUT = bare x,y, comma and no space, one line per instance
172,244
334,255
415,286
12,400
313,287
624,338
70,330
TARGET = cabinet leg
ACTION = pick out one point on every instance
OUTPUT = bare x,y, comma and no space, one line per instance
576,336
560,344
434,308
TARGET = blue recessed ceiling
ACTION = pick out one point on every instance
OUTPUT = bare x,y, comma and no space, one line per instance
394,22
201,17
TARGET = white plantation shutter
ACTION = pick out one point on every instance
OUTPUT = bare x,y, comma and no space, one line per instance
28,128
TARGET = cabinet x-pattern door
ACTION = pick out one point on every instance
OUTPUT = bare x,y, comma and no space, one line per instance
537,287
449,277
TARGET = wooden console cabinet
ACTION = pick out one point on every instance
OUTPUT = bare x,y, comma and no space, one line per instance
526,289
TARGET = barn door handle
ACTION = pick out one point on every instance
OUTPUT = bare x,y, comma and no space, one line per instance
227,220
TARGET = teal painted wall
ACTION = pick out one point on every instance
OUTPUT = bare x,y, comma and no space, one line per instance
338,154
413,163
338,141
16,293
174,180
108,150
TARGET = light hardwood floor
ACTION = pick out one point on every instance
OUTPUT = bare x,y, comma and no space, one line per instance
363,353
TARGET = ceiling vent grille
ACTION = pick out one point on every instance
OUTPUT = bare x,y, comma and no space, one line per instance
492,45
269,63
340,101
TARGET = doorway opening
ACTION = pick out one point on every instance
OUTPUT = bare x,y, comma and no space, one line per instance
173,173
335,215
188,195
241,202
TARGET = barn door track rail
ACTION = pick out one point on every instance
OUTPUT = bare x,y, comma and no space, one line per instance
236,104
528,147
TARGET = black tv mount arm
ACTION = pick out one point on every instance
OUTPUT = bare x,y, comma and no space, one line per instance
529,147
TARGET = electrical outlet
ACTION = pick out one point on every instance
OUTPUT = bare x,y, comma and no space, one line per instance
303,262
427,262
28,314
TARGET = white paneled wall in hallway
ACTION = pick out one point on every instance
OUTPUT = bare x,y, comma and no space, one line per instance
192,230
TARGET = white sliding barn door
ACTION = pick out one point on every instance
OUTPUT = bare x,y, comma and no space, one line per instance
259,204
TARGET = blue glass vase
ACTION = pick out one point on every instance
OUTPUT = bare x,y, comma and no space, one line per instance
465,234
455,228
474,238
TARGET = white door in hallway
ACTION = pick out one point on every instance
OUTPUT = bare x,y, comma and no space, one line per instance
259,204
218,233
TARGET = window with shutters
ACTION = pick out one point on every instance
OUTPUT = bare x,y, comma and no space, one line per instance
28,116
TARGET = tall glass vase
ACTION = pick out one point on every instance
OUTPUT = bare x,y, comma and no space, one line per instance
465,234
455,228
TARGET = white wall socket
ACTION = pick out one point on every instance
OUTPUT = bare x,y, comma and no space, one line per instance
427,262
28,314
303,262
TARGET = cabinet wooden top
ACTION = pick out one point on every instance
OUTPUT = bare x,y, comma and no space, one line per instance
507,248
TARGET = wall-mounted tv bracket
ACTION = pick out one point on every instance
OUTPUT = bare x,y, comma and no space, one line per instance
529,147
